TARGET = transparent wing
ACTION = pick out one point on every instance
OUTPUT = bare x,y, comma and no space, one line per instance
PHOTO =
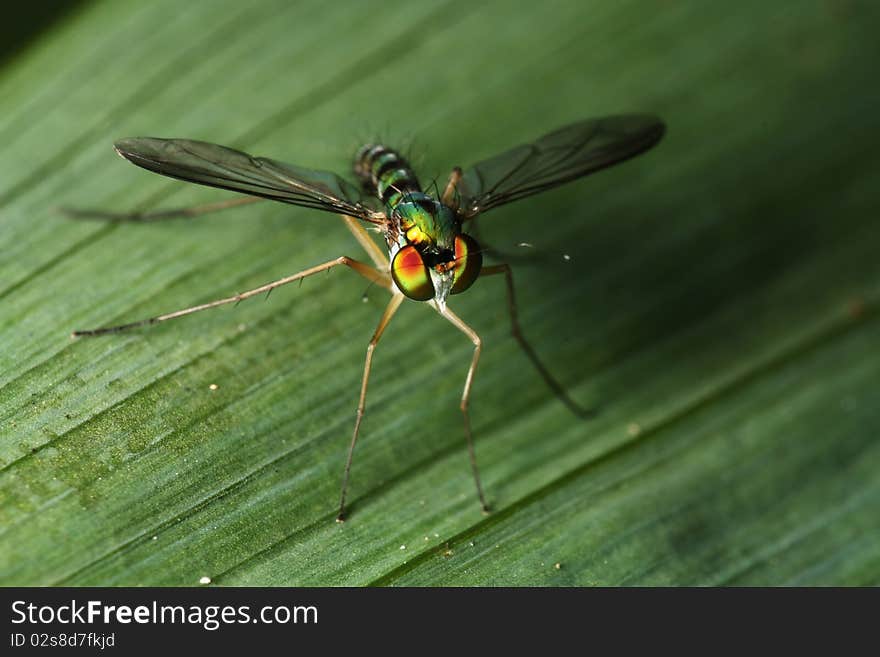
226,168
556,158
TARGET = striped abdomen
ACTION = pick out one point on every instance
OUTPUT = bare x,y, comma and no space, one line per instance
385,173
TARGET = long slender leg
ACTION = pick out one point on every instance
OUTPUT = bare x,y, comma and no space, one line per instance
450,194
363,237
361,268
158,215
554,385
457,322
390,309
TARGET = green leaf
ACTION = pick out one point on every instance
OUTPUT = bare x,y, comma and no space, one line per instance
715,300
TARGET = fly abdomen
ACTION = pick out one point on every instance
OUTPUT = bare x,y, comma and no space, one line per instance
385,173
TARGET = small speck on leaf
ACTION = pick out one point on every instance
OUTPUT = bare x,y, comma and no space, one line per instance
856,308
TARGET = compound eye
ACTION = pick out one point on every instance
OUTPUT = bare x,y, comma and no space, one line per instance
410,274
468,263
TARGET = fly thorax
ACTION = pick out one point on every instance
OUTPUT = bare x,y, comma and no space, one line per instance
425,223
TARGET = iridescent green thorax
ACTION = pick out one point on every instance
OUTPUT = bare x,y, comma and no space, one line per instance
425,222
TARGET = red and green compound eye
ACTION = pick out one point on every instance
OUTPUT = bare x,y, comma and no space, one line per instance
468,263
410,274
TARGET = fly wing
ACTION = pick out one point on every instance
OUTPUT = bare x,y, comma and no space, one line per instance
556,158
227,168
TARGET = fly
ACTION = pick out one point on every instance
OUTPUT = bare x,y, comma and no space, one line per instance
429,256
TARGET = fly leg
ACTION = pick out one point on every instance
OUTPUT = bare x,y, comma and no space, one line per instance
456,321
365,270
450,196
396,299
158,215
551,382
360,233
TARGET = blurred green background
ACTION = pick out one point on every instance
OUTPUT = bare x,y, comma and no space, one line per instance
717,306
